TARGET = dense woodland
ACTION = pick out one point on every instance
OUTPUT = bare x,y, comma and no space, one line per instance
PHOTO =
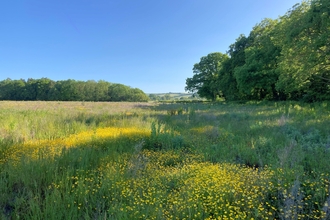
283,59
68,90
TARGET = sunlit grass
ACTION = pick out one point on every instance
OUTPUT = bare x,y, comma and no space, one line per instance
34,149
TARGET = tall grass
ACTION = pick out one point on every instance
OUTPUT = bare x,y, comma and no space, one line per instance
83,160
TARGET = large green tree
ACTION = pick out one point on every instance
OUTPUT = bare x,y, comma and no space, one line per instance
227,81
12,89
257,77
227,78
304,65
40,88
206,76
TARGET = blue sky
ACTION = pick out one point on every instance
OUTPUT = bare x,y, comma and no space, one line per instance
146,44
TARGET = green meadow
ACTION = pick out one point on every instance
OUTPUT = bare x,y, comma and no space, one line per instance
118,160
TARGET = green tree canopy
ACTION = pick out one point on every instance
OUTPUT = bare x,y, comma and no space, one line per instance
206,75
285,58
257,77
68,90
304,65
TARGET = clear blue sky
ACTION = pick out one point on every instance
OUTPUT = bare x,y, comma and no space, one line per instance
146,44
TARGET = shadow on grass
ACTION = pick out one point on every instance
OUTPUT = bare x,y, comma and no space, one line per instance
254,134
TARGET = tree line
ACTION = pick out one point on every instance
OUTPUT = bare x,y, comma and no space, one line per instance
68,90
281,59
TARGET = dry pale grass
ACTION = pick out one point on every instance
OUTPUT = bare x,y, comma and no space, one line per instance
31,120
87,107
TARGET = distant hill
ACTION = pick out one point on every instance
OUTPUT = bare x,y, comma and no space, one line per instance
172,96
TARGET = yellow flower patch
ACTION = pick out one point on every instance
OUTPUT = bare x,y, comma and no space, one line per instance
35,149
190,189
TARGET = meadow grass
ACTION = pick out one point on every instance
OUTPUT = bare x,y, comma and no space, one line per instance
86,160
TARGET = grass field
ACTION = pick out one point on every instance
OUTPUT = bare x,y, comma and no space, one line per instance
86,160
